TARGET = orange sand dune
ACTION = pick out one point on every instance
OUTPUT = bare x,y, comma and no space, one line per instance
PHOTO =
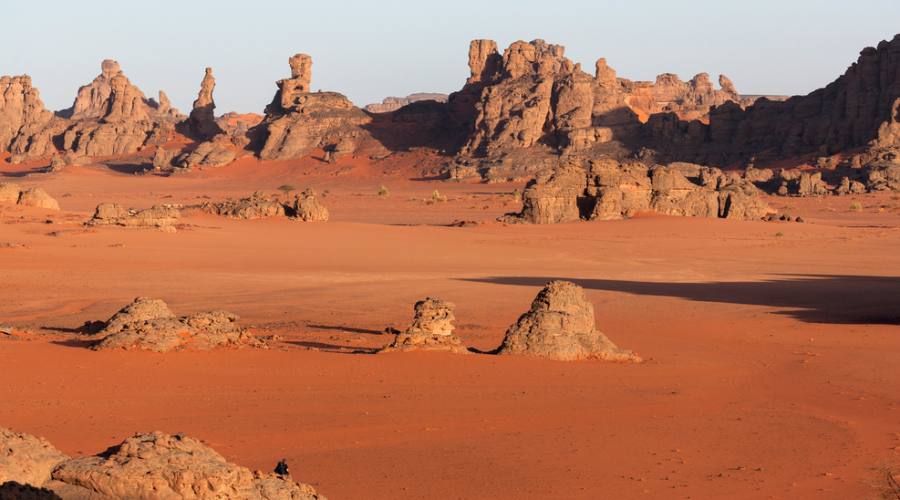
771,348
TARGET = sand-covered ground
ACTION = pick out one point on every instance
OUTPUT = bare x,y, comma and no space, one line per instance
772,349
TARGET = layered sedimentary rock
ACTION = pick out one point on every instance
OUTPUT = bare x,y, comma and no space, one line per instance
390,104
304,207
216,152
148,324
609,189
560,326
202,120
856,110
431,329
298,121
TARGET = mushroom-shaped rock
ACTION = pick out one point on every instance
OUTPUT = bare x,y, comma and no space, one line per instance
560,326
431,329
26,459
158,465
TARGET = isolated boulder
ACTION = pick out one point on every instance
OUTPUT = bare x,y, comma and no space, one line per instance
158,465
148,324
431,329
560,326
37,197
217,152
307,208
26,459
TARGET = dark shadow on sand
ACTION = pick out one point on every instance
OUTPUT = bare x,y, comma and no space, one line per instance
332,348
809,298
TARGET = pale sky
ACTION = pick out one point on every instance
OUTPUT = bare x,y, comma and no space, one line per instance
372,49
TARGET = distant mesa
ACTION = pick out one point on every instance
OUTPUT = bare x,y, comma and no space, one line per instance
394,103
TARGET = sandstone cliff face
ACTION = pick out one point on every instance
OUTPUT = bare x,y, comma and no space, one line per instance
850,112
298,121
26,127
534,96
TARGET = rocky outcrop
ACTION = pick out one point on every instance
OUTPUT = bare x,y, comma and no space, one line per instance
851,112
217,152
113,214
26,459
306,207
431,329
256,206
390,104
299,121
552,196
12,194
535,98
610,189
148,324
157,465
202,120
26,127
560,326
111,116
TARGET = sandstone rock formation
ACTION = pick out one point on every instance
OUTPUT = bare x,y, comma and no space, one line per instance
26,459
431,329
12,194
534,97
202,120
390,104
37,197
560,326
158,216
111,116
306,207
158,465
298,121
610,189
26,127
256,206
148,324
853,111
552,196
217,152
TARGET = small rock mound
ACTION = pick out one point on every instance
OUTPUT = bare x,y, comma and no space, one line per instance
12,194
431,329
149,324
307,208
158,465
159,216
26,459
560,326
